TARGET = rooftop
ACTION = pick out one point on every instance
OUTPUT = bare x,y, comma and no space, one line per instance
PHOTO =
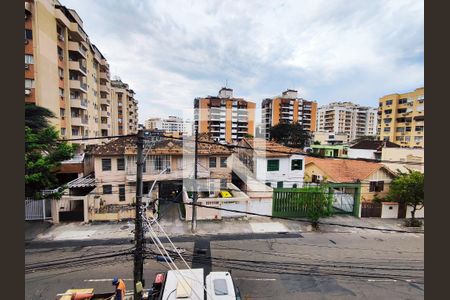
374,145
345,170
266,148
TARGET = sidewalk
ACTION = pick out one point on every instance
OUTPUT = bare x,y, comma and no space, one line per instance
124,230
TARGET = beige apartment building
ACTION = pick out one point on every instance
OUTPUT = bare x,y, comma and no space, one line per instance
65,72
401,118
288,108
124,112
226,118
348,118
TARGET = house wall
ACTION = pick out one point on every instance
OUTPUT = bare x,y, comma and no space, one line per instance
361,153
312,169
379,175
403,154
285,174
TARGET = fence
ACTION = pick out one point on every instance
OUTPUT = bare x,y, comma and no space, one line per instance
371,209
38,209
298,202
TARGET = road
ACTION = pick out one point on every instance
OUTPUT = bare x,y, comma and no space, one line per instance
363,265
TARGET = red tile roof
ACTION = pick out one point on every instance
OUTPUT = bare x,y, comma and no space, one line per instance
345,170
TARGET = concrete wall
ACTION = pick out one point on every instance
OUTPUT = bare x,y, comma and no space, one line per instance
284,174
361,153
403,154
389,210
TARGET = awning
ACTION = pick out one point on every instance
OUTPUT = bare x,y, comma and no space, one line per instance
82,182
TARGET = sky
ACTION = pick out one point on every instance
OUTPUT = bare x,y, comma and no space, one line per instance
171,52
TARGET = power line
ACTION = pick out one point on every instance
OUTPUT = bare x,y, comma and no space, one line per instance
96,138
296,152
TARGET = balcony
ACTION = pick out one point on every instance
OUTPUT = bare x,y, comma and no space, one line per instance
77,66
77,32
105,113
79,121
105,126
76,47
78,85
78,103
104,75
105,101
104,88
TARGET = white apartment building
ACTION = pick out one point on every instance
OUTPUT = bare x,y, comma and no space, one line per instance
346,117
171,124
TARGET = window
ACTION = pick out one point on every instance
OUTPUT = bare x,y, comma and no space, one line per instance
399,138
387,129
61,73
121,164
106,164
407,138
28,34
419,128
407,129
294,186
62,113
376,186
63,131
121,192
61,92
29,59
268,184
389,102
388,111
223,183
273,165
212,162
418,139
223,162
387,120
107,189
220,287
402,100
386,139
400,129
279,184
29,83
60,52
297,164
401,110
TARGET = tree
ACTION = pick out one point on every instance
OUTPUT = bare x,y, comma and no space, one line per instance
43,151
290,135
408,188
319,203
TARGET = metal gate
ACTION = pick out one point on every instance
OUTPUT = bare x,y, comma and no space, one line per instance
38,209
343,203
294,202
371,210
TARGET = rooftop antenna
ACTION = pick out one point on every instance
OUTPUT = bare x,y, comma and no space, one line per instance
226,83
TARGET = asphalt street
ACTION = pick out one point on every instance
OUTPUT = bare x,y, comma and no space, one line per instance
363,265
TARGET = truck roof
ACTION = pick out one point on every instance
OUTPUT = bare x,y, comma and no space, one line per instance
185,284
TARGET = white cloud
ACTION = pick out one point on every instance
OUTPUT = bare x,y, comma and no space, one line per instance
173,51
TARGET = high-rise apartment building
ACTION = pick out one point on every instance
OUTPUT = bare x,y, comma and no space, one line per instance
402,117
171,125
226,118
348,118
288,108
65,72
124,110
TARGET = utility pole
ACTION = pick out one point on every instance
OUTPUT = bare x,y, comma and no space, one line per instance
138,231
195,193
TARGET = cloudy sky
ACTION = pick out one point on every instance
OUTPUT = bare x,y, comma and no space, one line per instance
333,50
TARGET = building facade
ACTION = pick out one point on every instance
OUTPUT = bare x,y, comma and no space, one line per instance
288,108
65,72
226,118
402,118
349,118
271,163
124,114
330,138
171,125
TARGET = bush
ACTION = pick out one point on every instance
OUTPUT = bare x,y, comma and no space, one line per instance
413,223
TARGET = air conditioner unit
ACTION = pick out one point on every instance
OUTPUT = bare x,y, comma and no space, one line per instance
27,66
27,91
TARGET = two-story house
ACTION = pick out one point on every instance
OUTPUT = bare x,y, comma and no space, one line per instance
272,163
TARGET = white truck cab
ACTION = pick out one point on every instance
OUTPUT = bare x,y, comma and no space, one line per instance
220,286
